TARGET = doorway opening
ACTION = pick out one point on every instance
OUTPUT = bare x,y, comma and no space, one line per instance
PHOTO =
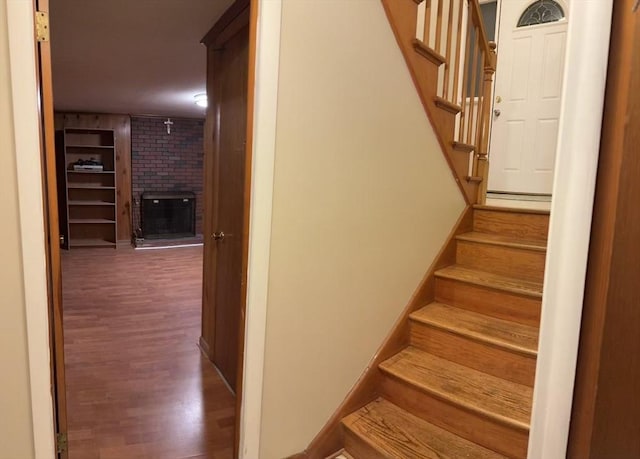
140,373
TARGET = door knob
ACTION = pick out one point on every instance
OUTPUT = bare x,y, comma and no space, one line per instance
218,236
496,111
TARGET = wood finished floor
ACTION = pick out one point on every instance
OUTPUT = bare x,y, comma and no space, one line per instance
137,384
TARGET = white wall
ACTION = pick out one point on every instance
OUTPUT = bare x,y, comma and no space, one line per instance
362,201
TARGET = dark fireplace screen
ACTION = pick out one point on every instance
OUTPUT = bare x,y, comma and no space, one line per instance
168,215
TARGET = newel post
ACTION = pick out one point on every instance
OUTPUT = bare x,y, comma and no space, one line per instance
482,157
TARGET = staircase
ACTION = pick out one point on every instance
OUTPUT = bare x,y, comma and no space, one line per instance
462,388
454,379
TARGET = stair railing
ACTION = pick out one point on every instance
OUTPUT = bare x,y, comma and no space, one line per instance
454,29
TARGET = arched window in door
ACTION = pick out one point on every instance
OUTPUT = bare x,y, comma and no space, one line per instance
541,12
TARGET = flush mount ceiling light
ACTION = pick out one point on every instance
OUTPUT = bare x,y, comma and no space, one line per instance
201,100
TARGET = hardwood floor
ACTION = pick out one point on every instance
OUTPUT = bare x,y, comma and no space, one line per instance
137,384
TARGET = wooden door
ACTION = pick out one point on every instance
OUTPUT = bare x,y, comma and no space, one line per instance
52,233
527,96
225,159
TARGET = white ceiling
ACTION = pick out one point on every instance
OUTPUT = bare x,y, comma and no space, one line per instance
131,56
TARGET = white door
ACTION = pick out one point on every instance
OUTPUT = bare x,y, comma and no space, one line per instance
531,48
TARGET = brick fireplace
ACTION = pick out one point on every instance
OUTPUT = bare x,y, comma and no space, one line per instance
164,162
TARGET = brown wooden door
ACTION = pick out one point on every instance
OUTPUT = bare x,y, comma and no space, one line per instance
52,239
225,161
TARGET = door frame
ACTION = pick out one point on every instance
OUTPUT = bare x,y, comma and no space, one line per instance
52,235
28,149
32,210
265,51
573,193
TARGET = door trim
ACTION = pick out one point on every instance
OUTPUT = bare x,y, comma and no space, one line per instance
265,32
22,58
254,8
570,227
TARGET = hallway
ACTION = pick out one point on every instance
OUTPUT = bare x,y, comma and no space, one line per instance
137,384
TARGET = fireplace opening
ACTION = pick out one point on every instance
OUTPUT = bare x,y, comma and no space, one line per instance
170,214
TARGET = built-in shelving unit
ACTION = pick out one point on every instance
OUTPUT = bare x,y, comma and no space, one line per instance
91,194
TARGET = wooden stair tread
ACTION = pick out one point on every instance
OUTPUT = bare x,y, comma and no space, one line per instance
464,147
444,104
489,396
425,51
503,333
398,434
511,209
495,281
506,241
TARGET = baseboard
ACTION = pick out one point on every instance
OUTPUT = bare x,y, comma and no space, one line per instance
204,347
206,350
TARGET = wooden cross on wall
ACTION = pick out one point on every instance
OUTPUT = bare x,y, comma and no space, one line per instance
168,123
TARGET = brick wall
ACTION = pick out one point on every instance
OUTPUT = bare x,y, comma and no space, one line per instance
166,162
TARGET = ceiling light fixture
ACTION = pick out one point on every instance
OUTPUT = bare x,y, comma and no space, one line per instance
201,100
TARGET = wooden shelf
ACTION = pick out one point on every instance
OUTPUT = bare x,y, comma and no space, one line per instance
90,172
91,203
91,195
91,243
90,220
92,146
80,186
78,130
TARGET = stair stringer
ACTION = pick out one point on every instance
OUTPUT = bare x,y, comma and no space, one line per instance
367,387
403,16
